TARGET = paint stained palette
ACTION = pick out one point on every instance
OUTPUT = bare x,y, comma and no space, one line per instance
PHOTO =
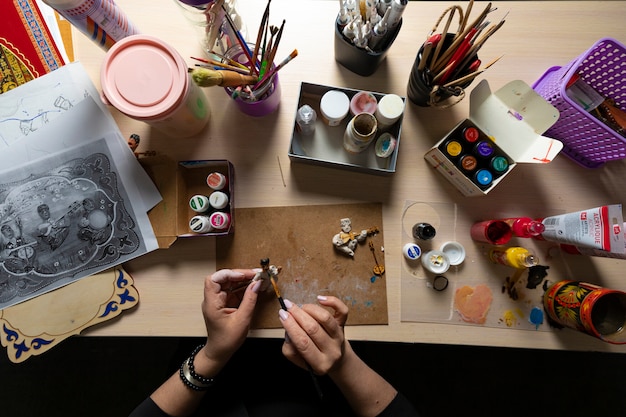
325,146
516,295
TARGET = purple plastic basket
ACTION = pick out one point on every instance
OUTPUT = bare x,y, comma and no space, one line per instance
586,139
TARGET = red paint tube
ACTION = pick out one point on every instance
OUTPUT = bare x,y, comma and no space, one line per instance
596,228
575,250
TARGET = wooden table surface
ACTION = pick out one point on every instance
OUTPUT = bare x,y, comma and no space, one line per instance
537,35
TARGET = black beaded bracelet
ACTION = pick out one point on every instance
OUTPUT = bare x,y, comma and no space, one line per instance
189,376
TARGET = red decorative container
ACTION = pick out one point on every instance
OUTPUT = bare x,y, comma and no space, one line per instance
591,309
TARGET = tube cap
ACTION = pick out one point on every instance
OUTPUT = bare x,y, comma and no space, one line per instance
455,252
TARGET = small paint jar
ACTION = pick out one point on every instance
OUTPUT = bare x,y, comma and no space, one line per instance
453,149
484,149
468,163
334,107
411,251
199,203
147,80
306,118
218,200
471,134
499,165
423,231
220,220
360,132
436,262
200,224
216,180
385,145
440,283
363,102
483,178
389,110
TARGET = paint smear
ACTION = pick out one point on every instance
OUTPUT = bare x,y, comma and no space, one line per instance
509,318
472,303
536,317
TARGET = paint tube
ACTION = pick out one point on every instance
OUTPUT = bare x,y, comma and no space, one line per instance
575,250
596,228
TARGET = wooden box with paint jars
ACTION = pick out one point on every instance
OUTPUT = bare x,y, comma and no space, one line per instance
504,129
201,193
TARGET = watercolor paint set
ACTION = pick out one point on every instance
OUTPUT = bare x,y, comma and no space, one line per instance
475,154
504,129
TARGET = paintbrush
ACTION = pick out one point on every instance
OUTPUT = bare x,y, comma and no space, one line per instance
212,63
274,48
262,26
274,70
280,298
205,77
242,42
471,75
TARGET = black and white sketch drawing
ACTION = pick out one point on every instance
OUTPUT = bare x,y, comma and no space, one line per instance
63,218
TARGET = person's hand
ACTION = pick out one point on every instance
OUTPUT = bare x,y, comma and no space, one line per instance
314,336
227,315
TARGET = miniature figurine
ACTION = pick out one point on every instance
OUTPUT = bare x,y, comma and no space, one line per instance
346,241
133,141
267,272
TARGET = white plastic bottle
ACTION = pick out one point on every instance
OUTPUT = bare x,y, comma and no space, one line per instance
102,21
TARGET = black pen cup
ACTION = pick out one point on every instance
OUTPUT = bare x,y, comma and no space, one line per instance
360,60
423,92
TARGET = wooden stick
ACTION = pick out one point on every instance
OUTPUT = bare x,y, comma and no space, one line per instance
443,34
466,16
444,58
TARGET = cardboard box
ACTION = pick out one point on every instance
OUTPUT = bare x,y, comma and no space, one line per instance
325,146
178,182
514,117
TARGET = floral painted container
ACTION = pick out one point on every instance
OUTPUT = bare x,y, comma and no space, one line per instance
591,309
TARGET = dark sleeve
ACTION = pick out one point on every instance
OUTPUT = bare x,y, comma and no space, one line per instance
399,407
148,408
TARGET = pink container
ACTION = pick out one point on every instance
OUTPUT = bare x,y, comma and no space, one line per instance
146,79
586,139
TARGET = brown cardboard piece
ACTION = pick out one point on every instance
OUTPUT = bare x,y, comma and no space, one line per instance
299,238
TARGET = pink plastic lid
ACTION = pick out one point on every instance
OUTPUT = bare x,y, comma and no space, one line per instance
144,77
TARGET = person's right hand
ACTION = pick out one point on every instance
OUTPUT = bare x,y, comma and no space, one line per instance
314,335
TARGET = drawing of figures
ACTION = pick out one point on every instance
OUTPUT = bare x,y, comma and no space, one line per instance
17,253
95,222
53,232
72,222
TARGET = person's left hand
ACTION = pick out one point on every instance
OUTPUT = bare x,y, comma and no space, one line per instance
227,321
